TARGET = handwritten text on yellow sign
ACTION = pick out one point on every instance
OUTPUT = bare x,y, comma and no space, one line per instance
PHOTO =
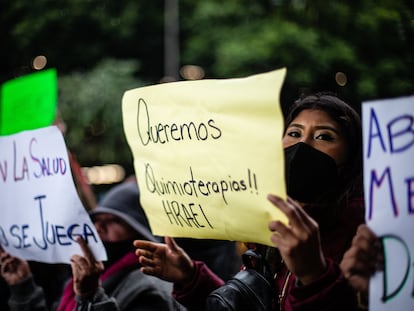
207,153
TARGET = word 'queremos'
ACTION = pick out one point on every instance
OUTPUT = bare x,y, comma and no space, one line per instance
19,235
163,133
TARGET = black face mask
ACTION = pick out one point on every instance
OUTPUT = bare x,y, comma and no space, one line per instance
116,250
311,175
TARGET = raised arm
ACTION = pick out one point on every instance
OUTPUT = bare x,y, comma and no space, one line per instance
86,272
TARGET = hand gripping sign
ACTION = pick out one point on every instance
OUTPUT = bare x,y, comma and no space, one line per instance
41,213
207,153
388,129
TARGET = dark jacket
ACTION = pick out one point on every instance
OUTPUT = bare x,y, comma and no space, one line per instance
124,288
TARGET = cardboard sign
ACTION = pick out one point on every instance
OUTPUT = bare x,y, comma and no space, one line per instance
206,155
28,102
388,129
41,213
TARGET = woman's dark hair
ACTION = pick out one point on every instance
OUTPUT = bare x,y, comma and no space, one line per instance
349,121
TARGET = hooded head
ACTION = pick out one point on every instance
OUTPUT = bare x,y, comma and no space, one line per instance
123,202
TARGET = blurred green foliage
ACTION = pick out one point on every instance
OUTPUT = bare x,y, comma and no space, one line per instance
90,103
103,47
372,42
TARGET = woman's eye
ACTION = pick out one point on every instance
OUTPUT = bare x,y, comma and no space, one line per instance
327,137
295,134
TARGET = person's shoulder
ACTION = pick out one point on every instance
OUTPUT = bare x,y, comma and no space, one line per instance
141,280
138,289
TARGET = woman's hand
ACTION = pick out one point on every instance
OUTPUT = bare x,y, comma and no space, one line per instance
299,241
86,271
362,259
13,269
166,261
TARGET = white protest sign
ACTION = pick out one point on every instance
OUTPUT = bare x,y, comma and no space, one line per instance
388,129
41,213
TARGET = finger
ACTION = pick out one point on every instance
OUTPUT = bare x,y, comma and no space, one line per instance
365,249
137,252
279,203
75,266
8,261
276,239
279,242
140,243
85,249
365,232
369,242
145,245
275,225
172,245
79,260
7,265
144,253
367,261
80,265
363,244
305,220
279,227
146,262
350,266
357,261
287,208
149,270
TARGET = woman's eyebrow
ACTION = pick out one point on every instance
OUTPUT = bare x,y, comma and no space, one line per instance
296,125
328,127
317,127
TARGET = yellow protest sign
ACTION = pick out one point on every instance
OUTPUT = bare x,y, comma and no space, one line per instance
206,155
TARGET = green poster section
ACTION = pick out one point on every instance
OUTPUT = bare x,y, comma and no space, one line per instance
28,102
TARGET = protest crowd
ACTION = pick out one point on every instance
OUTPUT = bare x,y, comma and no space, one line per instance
322,257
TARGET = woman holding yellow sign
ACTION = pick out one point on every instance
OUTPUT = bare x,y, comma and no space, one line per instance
322,142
